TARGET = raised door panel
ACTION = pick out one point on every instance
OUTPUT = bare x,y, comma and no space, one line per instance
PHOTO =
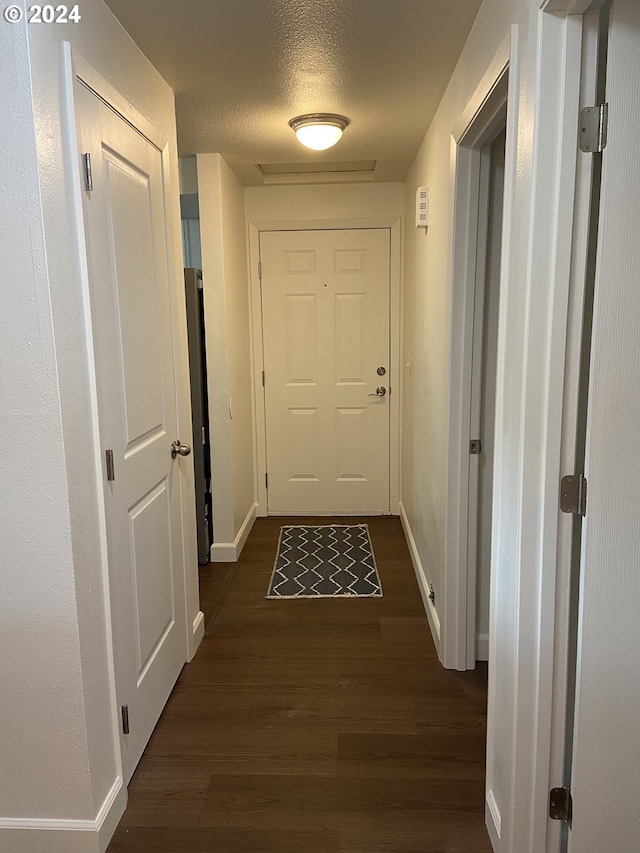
131,237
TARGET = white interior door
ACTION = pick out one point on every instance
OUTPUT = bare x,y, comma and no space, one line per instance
606,757
325,308
129,280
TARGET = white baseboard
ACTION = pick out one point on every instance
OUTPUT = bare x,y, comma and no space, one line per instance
245,530
229,552
109,815
223,552
33,835
482,647
197,635
423,582
493,819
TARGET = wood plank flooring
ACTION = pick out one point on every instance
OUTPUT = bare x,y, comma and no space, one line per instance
323,726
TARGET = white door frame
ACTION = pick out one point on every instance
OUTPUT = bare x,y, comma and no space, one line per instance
482,118
527,689
77,67
257,353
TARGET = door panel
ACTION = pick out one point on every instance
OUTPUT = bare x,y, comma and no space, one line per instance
606,756
130,306
325,301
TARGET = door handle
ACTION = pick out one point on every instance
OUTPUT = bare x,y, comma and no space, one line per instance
380,392
178,449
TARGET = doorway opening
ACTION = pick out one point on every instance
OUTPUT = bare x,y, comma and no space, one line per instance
479,143
483,393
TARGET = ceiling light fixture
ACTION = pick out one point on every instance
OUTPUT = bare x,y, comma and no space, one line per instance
318,130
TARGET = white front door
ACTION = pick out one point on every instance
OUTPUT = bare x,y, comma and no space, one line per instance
325,309
605,779
129,284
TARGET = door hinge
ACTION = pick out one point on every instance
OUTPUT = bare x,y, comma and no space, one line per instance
88,174
263,379
560,804
111,471
266,480
432,594
125,719
475,447
593,128
573,494
259,269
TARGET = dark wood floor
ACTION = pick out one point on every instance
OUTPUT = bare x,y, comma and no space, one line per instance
322,726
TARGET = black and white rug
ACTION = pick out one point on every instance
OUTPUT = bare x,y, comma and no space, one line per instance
325,561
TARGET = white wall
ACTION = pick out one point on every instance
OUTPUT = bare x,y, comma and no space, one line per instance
188,171
60,780
227,321
540,174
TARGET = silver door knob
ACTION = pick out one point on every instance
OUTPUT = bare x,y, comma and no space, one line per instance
178,449
380,392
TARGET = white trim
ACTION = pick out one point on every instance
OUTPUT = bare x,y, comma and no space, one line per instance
66,836
423,581
569,7
481,119
475,124
531,358
493,819
229,552
482,646
110,813
245,530
197,635
101,87
578,277
223,552
394,224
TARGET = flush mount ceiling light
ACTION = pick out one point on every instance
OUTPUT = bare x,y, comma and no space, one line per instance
318,130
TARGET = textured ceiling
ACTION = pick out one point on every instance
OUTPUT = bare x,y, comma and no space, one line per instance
242,68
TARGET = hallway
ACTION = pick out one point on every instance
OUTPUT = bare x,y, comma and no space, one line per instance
325,726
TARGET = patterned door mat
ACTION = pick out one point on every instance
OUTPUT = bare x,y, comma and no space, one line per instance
325,561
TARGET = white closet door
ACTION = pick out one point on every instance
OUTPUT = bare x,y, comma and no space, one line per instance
129,279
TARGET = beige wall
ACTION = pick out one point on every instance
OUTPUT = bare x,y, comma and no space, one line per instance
427,325
317,202
226,297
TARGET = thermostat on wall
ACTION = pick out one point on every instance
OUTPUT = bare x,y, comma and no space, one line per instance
422,207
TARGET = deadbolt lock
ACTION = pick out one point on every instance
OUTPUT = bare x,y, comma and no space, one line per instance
381,371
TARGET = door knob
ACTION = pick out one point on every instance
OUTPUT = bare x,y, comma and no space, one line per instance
178,449
380,392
